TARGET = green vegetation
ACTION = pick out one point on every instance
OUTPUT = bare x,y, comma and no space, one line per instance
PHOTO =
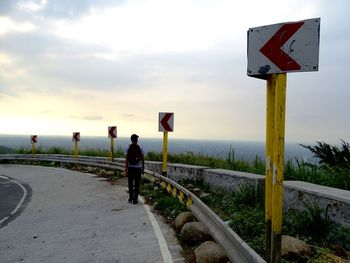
333,168
331,155
315,227
245,215
301,170
166,204
84,152
244,209
6,150
244,212
230,163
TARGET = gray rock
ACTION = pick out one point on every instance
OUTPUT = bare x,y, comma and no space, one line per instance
203,195
194,232
210,252
182,219
294,246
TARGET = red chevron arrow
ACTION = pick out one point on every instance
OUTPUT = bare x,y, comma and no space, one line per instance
112,131
164,122
34,138
272,48
76,136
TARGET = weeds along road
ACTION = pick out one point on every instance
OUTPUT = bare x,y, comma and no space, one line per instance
57,215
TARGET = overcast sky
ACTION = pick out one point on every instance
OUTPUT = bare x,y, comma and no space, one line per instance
84,65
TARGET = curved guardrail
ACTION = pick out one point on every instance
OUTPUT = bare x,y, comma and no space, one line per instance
236,249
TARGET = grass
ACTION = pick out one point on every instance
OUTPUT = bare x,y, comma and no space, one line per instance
243,209
295,169
246,217
338,177
230,163
6,150
168,205
84,152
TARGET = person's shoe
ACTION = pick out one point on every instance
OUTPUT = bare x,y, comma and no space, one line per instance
135,202
129,200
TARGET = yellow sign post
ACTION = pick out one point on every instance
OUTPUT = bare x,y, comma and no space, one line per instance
278,166
76,139
275,134
33,148
111,154
76,149
166,124
112,133
33,140
268,60
270,125
165,154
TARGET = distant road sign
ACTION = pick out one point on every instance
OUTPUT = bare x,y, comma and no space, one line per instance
34,138
284,47
112,132
76,137
166,121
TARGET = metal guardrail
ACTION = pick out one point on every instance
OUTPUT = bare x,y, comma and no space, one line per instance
236,249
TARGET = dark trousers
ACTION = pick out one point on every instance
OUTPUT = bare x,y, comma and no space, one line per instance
134,177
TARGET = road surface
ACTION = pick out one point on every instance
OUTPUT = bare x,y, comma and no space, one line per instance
57,215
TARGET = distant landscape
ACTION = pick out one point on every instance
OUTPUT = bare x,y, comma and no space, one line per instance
243,150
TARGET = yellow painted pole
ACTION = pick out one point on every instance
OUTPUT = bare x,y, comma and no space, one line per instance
278,167
270,125
33,148
165,153
76,150
111,154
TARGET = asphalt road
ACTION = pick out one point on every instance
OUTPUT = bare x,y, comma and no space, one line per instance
57,215
14,197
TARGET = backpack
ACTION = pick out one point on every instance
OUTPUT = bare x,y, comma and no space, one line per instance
134,154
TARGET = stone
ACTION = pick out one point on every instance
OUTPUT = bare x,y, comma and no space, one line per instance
210,252
203,195
182,219
194,232
293,246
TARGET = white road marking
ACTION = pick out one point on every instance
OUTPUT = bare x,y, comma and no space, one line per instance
4,219
20,203
161,240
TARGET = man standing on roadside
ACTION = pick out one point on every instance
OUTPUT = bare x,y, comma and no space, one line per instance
134,166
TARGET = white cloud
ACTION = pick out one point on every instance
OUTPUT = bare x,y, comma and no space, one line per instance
32,6
141,57
151,27
8,25
5,59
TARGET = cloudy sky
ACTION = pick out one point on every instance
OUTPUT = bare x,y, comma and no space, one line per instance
82,65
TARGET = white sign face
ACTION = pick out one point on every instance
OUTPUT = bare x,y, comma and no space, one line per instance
34,138
284,47
76,137
112,131
166,122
